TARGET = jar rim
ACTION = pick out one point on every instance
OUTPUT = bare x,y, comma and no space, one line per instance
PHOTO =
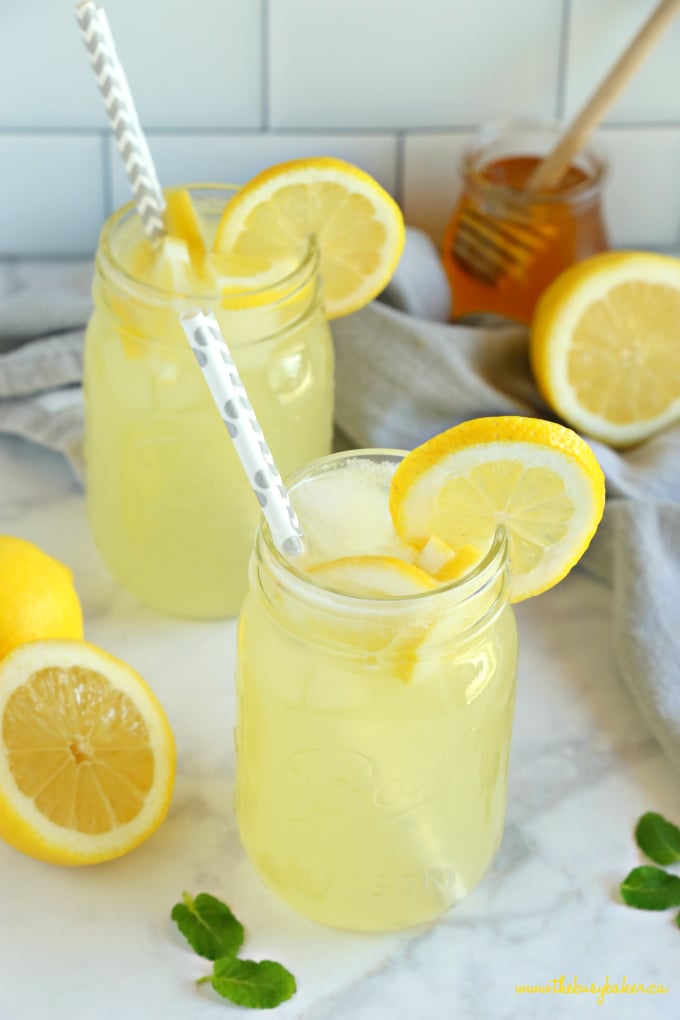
494,130
300,582
113,270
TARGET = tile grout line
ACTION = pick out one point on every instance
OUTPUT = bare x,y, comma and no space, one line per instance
265,72
563,59
340,132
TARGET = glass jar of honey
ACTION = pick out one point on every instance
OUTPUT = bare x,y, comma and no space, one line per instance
506,242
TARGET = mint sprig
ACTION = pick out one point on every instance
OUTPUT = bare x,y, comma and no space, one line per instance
208,925
255,985
658,838
652,888
649,888
213,932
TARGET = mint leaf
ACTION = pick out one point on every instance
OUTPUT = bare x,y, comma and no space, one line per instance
208,925
648,888
658,839
256,985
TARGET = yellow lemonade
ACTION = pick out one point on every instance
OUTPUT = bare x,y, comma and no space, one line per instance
171,510
373,730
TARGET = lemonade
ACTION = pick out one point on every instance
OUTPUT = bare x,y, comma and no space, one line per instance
374,731
170,509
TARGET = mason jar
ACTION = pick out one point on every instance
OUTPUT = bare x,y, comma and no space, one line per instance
169,505
373,734
505,242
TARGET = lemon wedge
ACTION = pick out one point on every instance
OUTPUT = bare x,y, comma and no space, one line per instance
538,480
181,221
87,757
605,345
358,226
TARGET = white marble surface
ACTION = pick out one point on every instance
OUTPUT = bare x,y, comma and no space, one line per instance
98,943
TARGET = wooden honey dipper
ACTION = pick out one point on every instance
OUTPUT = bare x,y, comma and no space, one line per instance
486,248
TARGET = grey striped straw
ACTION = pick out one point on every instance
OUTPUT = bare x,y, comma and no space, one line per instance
228,392
122,116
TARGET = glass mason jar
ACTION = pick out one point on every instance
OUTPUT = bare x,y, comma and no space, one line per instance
506,243
171,510
372,736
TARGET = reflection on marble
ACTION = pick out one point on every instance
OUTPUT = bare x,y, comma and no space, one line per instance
583,769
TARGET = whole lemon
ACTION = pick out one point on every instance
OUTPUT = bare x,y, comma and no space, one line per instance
37,596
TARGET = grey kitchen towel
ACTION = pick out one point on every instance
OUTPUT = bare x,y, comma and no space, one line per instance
44,307
403,373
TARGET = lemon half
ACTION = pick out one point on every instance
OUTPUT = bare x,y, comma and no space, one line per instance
605,345
87,756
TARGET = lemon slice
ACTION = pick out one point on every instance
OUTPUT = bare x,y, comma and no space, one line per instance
537,479
605,345
87,757
248,281
372,576
358,226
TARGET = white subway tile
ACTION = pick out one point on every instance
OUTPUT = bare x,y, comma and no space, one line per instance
600,31
431,181
51,187
188,64
434,63
642,193
183,158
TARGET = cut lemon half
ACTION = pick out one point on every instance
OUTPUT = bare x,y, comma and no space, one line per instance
605,345
372,576
537,479
358,226
87,757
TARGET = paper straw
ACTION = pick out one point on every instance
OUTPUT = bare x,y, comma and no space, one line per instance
228,392
123,118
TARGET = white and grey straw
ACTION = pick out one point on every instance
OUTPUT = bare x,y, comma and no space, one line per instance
122,116
228,392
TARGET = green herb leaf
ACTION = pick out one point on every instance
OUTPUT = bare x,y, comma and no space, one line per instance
659,839
208,925
649,888
256,985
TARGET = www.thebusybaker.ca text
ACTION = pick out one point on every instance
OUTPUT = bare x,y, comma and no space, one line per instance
560,986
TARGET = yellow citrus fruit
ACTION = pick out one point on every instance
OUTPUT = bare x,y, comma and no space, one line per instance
443,562
37,596
181,220
358,226
465,559
87,757
538,480
605,345
373,576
